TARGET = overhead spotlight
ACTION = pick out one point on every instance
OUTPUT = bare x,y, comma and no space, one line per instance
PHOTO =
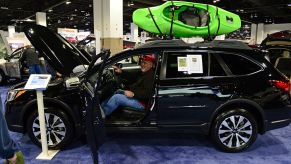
130,3
4,8
68,2
255,16
50,10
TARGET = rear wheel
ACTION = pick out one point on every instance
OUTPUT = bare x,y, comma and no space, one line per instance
234,130
59,128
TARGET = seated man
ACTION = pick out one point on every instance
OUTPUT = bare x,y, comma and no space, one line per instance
138,93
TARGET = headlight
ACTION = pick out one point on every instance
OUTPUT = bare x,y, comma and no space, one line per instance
13,94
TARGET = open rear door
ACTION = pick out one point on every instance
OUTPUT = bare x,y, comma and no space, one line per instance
95,129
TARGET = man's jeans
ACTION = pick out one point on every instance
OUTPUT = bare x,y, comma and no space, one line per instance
35,69
7,146
116,100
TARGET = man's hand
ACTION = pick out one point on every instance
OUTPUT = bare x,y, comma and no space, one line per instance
128,93
117,69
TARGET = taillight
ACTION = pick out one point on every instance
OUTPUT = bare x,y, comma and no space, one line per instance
283,85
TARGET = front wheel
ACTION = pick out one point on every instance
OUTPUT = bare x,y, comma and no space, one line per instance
234,130
59,128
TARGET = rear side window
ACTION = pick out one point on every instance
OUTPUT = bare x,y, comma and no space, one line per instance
183,65
239,65
215,67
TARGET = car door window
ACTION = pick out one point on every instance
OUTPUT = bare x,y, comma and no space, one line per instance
178,65
239,65
215,68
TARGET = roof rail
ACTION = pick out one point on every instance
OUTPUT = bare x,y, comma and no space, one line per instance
164,43
229,44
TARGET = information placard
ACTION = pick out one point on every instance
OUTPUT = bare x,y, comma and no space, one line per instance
37,82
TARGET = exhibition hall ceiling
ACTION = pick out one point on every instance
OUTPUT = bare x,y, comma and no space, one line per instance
79,13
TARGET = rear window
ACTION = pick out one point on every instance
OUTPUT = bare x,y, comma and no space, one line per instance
239,65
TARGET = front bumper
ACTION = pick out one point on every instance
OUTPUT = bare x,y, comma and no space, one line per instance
13,116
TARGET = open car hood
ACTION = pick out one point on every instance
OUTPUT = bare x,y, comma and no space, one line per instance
280,39
57,51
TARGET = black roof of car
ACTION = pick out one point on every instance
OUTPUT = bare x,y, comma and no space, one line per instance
216,44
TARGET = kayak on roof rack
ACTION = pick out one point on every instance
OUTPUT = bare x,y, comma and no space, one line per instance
186,19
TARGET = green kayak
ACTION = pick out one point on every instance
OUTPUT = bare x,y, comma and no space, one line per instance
189,19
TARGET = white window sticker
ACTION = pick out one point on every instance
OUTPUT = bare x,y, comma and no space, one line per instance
182,64
194,64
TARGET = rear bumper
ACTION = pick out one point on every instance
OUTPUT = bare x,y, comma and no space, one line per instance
278,118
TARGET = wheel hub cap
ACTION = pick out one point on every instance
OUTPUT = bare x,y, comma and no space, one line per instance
56,129
235,131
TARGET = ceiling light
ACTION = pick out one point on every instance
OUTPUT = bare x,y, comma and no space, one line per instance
29,20
4,8
289,5
59,21
130,3
50,10
68,2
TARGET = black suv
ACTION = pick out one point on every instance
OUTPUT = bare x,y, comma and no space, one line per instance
222,88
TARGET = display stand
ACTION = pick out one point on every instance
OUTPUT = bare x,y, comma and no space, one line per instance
39,83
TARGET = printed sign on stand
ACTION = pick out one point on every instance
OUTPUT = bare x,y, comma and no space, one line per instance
39,82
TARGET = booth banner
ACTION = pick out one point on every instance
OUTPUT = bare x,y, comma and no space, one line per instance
69,34
82,35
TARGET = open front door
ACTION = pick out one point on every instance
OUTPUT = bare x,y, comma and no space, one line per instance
95,129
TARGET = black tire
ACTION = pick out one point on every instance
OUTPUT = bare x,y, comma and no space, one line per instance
3,78
59,130
234,131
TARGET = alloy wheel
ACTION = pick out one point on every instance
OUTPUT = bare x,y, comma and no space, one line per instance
235,131
55,129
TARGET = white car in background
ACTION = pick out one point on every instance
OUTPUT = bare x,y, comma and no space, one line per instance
13,66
